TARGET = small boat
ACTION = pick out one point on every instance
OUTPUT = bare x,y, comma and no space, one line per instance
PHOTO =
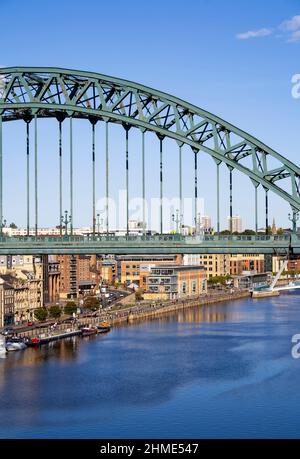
32,342
2,345
15,344
103,327
88,331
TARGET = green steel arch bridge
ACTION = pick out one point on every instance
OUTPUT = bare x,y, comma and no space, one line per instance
28,94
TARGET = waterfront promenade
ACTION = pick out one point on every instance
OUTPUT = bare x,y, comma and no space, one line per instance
137,312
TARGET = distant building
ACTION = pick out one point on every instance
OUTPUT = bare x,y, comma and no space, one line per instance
27,293
246,262
175,281
235,224
51,270
214,264
75,272
108,271
7,311
251,281
206,222
128,266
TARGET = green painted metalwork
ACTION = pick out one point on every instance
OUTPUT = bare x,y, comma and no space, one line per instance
45,91
71,175
36,173
149,244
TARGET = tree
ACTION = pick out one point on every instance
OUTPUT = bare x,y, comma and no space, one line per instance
280,232
91,302
219,280
138,295
13,225
70,308
41,314
55,311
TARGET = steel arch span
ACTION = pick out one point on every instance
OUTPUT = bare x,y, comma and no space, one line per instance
54,92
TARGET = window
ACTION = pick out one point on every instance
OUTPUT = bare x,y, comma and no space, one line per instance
194,286
183,287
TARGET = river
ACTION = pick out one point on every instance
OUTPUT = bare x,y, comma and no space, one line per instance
220,371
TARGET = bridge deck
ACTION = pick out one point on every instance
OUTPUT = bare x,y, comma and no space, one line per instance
148,244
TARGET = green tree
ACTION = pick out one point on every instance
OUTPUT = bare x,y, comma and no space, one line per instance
219,280
70,308
280,232
91,302
248,232
55,311
13,225
41,314
138,295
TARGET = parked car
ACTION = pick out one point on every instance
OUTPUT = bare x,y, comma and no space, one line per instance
8,331
30,324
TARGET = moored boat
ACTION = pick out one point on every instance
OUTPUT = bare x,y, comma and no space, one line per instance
88,331
2,345
15,344
103,327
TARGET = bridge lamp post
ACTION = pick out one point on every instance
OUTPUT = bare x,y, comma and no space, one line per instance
66,221
99,222
294,218
177,219
3,225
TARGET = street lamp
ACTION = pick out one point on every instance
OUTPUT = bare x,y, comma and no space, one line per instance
177,220
66,221
99,222
294,218
3,225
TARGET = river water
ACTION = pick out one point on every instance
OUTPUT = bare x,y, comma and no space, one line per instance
217,371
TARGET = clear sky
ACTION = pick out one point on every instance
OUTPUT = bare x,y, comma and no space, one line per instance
234,59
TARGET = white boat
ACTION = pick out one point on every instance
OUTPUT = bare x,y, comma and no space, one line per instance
15,344
2,345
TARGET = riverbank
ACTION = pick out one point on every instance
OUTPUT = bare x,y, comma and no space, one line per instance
144,312
139,312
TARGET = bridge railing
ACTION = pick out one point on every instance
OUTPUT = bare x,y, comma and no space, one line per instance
160,238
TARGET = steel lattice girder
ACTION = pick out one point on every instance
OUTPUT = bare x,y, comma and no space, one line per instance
45,92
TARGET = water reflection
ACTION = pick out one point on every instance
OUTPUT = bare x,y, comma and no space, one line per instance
199,362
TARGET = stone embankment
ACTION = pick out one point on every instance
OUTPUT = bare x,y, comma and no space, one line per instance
151,310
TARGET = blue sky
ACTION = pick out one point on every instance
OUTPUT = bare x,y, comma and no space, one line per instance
235,59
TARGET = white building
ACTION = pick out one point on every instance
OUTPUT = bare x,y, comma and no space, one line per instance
235,224
206,222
